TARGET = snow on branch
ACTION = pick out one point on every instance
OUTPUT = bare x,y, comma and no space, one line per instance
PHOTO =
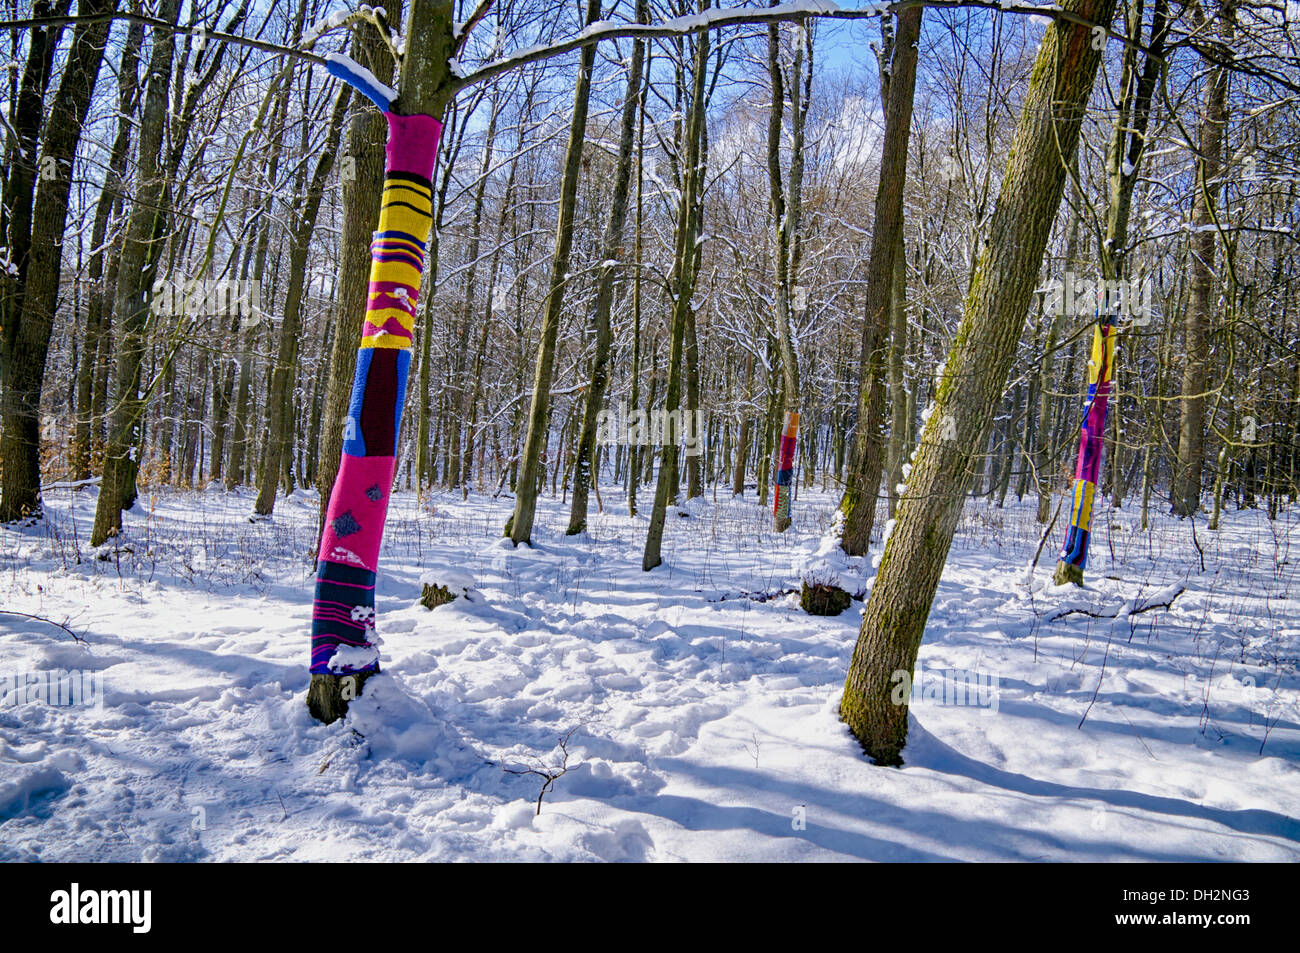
793,10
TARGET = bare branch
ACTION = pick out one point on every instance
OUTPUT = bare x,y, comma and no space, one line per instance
794,11
36,23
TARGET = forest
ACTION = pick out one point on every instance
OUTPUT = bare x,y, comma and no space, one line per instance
686,382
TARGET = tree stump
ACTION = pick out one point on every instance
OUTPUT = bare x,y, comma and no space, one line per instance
821,598
329,694
1067,572
434,595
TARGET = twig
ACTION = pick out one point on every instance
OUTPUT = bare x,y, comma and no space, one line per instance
1100,678
1137,736
1268,725
551,775
1042,541
1197,543
1209,685
39,618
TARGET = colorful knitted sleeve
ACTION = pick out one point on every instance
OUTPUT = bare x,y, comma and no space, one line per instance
785,467
343,614
1091,439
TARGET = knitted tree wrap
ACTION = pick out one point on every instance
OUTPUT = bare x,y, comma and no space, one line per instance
785,466
1100,369
343,613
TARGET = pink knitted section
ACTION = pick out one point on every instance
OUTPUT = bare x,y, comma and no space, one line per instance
412,144
354,522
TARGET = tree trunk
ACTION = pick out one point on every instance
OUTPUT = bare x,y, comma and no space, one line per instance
98,334
34,229
859,504
286,359
32,304
970,388
521,523
424,446
694,477
897,391
132,295
348,554
785,223
683,286
612,252
746,425
1186,493
362,189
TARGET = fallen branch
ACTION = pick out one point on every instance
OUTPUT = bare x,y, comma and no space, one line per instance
71,484
1116,614
760,596
39,618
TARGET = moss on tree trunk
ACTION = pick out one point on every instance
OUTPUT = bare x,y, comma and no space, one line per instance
972,384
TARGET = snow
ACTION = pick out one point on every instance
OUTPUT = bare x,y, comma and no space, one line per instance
700,713
321,27
829,565
353,658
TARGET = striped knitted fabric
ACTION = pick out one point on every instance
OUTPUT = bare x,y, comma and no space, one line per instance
1091,439
344,611
785,466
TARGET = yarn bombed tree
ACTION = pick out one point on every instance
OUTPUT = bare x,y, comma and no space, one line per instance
343,649
785,471
1101,367
343,643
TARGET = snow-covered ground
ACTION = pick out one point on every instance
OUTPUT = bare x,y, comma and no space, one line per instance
700,717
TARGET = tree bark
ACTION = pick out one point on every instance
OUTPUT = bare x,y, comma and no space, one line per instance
859,503
133,293
970,388
1202,286
521,523
610,266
